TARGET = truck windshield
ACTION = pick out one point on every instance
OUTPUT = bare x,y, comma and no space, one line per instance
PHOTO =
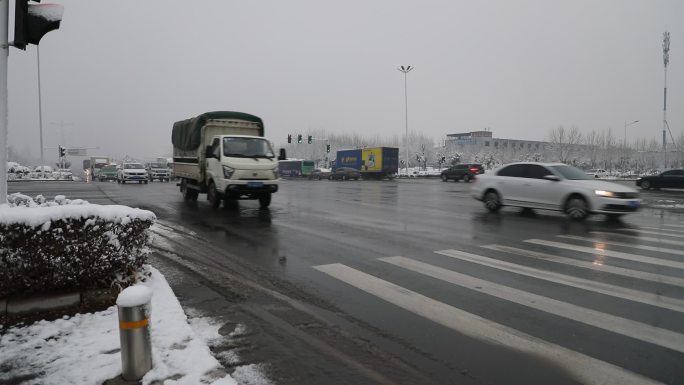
247,148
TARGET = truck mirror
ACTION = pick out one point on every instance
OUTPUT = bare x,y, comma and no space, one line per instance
208,153
282,155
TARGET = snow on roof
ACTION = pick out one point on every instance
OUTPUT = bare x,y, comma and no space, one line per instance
49,12
38,216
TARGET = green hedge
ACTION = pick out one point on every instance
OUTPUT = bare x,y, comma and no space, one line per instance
53,249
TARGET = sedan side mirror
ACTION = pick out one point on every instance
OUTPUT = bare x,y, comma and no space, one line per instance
552,178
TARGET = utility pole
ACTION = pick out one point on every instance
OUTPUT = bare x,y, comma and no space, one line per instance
4,53
666,61
406,70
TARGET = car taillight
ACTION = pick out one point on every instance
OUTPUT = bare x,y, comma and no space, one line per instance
474,169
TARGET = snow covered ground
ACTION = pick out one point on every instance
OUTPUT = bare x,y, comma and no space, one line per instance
84,349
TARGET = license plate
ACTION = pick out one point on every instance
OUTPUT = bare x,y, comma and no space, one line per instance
633,204
255,184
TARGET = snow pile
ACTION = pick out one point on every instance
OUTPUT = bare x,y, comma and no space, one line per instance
136,295
49,12
84,349
69,245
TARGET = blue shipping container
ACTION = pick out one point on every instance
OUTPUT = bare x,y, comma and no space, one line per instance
348,158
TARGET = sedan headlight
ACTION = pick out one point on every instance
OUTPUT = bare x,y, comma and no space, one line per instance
607,194
228,172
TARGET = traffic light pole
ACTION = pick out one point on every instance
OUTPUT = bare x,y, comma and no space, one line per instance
40,114
4,53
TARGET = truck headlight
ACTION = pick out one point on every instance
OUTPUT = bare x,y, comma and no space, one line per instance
275,171
607,194
228,172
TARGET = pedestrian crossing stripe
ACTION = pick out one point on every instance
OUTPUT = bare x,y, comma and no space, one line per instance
569,280
641,230
598,266
587,369
661,229
643,239
608,253
630,245
611,323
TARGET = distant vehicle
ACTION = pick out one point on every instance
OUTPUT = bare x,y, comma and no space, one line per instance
345,173
294,168
96,164
132,172
320,173
225,155
464,171
108,172
554,186
597,173
158,171
372,163
666,179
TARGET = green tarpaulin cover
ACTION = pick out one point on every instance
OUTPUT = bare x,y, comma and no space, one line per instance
187,133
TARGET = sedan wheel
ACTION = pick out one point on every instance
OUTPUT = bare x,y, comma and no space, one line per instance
645,185
444,178
577,208
466,178
492,201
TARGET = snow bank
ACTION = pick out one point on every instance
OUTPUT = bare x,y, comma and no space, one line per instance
34,215
84,349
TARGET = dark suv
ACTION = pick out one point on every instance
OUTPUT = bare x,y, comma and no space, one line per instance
465,171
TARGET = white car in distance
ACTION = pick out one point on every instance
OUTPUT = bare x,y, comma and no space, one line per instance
132,172
553,186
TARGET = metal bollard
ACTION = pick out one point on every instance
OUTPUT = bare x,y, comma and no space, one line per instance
134,331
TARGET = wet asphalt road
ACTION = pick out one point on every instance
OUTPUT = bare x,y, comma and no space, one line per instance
388,282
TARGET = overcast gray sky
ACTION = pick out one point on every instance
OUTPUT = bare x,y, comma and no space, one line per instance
117,74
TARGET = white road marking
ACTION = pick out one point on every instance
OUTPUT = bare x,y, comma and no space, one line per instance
638,330
662,229
568,280
599,266
587,369
653,232
646,239
630,245
608,253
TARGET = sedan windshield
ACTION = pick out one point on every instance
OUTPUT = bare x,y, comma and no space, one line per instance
572,173
247,148
133,165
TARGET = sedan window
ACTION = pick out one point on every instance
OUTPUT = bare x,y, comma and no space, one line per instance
535,171
572,173
514,170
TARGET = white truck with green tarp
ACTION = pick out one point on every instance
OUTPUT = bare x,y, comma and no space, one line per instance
225,155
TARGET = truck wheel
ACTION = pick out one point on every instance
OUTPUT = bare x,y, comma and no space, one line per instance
189,195
145,182
264,201
213,196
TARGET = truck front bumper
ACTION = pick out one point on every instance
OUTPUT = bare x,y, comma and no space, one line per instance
249,189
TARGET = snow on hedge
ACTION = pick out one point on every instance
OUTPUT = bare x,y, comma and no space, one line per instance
69,245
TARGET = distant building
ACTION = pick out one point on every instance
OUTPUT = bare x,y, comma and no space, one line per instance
479,141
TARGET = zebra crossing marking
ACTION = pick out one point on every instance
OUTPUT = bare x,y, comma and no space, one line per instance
616,243
647,239
587,369
608,253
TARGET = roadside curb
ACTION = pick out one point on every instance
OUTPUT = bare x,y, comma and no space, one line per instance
37,305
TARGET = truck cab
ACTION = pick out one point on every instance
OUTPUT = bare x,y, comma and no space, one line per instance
241,167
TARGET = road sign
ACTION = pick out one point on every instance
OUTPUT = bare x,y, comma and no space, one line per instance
77,151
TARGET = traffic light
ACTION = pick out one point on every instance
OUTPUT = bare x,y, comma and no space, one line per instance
289,138
299,138
33,21
310,139
327,148
62,152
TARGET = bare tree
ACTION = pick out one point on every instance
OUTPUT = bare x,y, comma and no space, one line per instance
565,142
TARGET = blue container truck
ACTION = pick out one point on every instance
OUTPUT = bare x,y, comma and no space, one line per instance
373,163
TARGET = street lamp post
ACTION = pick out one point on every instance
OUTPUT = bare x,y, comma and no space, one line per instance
406,70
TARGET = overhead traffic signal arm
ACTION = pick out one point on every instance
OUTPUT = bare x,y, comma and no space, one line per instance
33,21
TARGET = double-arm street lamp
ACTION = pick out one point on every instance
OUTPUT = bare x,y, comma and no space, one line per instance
406,70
